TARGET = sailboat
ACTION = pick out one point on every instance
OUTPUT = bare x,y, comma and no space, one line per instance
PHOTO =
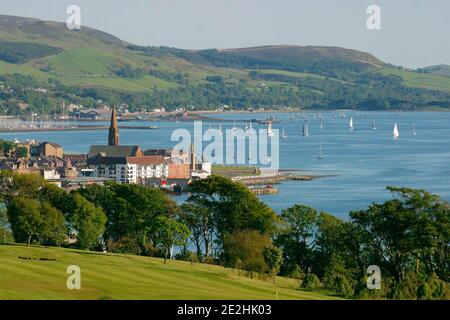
321,124
283,134
234,129
321,156
249,129
269,130
351,123
305,130
374,127
414,129
220,130
396,134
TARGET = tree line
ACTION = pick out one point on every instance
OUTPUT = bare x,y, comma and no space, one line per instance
222,222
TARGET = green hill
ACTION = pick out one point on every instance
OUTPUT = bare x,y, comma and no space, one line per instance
440,70
40,273
89,65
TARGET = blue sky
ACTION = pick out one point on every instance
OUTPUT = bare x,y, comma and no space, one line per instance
415,33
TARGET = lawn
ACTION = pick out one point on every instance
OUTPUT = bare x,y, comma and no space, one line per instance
112,276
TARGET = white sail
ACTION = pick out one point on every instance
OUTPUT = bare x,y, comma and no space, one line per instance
374,127
269,129
234,129
321,156
283,134
351,123
396,133
414,129
305,130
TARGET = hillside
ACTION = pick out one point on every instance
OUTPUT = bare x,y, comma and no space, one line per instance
25,274
88,65
441,70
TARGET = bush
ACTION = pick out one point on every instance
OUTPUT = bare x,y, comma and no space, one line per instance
407,288
311,282
424,292
124,245
294,271
339,284
244,250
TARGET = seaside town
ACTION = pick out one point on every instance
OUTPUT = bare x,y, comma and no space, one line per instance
168,169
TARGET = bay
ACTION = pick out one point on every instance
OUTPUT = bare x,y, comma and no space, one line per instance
364,161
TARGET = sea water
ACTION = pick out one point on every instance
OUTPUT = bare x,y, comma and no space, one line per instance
364,161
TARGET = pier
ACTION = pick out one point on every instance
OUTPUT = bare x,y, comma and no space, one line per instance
264,191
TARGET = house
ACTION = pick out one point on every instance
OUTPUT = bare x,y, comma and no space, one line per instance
47,149
114,151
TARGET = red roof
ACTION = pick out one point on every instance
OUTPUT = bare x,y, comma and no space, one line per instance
145,160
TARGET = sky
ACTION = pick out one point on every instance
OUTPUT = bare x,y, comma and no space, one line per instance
414,33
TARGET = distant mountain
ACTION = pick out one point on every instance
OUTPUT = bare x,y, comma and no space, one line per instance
89,65
441,70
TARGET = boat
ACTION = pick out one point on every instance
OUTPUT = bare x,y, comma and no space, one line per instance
234,129
321,156
374,127
220,130
249,129
321,124
414,129
269,130
396,134
351,123
305,129
283,134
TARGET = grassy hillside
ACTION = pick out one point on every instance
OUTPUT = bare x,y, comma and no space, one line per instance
109,69
108,276
441,70
421,80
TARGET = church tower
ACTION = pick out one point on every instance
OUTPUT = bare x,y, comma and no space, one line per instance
113,136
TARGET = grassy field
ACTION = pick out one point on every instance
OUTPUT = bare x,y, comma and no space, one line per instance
421,80
111,276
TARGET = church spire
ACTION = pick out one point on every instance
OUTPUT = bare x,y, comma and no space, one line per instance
113,136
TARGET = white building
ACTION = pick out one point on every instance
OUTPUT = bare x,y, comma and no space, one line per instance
130,169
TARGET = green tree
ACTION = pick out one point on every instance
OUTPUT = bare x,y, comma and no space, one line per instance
201,223
244,249
88,221
22,152
407,232
13,184
25,218
297,236
232,206
311,282
274,258
5,234
131,210
54,230
170,232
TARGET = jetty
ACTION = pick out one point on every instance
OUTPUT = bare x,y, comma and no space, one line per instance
275,178
264,191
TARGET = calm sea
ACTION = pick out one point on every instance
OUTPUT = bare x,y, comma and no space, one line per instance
364,160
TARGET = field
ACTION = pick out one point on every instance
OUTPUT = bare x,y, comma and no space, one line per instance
111,276
421,80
